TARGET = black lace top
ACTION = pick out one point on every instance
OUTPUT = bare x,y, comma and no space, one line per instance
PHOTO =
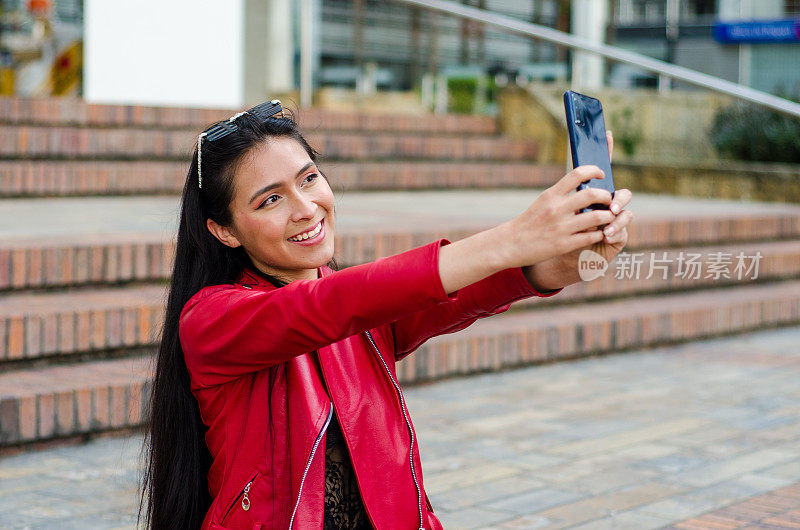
343,505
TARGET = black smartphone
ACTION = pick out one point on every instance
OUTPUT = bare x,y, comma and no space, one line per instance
587,140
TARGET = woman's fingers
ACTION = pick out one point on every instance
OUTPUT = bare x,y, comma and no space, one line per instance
586,239
577,176
614,230
621,199
586,197
610,139
591,220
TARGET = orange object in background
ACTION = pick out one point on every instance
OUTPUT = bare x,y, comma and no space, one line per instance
39,7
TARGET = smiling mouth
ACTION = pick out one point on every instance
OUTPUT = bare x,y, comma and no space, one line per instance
309,234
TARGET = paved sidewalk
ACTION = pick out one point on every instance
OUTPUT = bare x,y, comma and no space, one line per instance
637,440
776,509
69,218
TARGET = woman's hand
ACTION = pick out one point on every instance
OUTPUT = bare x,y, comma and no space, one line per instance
562,270
550,227
551,234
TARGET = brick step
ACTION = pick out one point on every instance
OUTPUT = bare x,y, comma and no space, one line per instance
651,271
40,403
58,142
39,325
35,325
548,333
76,259
76,112
35,178
67,400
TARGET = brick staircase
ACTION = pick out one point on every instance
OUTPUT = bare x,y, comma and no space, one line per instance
88,203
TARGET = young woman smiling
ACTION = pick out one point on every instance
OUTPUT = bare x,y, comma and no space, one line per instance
275,402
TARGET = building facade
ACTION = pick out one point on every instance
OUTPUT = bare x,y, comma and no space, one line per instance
163,53
692,33
403,42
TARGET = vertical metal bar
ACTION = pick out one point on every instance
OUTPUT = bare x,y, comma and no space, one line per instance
433,43
440,105
306,44
480,37
745,63
358,35
466,25
664,84
415,30
672,32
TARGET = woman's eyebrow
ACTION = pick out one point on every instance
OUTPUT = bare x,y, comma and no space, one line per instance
277,184
262,190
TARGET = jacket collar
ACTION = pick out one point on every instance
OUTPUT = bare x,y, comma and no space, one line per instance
250,278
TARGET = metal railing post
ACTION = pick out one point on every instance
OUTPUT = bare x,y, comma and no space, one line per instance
306,45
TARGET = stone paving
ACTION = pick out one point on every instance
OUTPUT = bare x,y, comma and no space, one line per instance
636,440
71,217
777,509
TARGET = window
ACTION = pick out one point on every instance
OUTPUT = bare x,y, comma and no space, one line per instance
693,10
648,11
793,7
702,7
11,5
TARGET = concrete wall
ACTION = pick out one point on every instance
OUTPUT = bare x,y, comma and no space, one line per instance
725,180
673,157
534,116
656,127
180,52
775,66
730,10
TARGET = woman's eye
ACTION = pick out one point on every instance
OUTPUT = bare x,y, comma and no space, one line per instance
311,178
269,200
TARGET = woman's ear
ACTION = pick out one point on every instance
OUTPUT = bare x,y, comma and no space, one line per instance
223,233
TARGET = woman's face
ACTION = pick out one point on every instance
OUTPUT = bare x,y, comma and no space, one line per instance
282,211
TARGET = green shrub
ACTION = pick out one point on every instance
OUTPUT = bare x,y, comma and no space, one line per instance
626,134
744,131
462,92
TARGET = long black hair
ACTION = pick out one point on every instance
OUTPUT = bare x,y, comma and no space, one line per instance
174,489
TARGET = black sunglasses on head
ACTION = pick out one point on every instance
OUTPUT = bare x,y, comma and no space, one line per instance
268,109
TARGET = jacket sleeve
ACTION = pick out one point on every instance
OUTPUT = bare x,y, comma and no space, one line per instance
227,331
484,298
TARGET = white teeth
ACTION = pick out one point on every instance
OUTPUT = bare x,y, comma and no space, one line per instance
307,235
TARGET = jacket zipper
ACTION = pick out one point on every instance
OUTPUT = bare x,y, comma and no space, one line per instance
358,483
408,424
308,463
245,499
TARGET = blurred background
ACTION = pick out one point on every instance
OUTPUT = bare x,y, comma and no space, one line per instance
432,122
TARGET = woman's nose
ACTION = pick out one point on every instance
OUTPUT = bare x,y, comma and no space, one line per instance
304,208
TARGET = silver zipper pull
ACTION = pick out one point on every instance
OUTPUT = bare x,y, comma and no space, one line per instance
245,498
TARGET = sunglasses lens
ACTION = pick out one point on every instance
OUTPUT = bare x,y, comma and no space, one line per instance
269,109
215,132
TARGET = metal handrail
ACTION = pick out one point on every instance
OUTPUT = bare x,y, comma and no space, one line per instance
610,52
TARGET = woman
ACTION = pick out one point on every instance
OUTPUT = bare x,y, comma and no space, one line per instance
275,401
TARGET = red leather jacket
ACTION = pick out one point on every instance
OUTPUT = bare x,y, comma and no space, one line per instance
257,357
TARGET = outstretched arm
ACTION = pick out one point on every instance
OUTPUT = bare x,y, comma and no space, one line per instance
227,331
490,296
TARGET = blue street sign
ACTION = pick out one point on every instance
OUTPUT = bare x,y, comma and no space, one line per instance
758,31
